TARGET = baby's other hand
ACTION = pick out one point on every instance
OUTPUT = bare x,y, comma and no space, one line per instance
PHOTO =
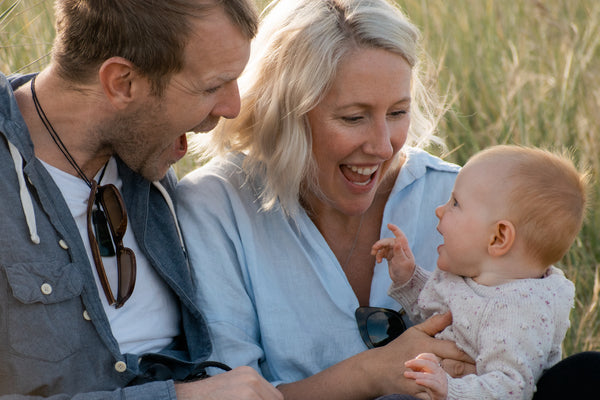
401,261
426,370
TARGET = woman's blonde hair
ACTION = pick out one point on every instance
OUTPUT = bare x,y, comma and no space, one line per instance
294,60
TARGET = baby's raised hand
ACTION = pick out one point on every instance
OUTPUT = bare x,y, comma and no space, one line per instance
401,262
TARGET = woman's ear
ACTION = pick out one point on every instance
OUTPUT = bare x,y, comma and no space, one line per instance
502,239
116,78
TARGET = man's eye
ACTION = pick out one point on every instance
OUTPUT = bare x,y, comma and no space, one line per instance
213,89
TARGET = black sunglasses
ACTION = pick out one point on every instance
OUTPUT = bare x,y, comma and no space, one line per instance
111,209
379,326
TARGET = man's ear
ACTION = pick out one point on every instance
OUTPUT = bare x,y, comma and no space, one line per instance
117,76
502,238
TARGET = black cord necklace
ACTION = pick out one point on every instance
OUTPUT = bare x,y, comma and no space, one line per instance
59,143
99,221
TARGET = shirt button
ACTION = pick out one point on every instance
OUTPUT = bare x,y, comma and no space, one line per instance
120,366
63,244
86,315
46,288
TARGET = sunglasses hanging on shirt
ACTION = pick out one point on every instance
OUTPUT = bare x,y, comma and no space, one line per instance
106,222
379,326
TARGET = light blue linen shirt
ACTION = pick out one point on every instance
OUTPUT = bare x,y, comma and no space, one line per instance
273,293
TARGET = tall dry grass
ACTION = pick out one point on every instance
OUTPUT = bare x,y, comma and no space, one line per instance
525,72
26,33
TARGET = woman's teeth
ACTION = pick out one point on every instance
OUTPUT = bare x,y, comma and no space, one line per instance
364,170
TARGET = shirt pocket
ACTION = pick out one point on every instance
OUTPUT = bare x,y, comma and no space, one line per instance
44,310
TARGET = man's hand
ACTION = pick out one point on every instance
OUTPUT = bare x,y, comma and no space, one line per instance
242,383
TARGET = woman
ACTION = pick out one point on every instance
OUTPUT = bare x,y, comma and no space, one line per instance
280,223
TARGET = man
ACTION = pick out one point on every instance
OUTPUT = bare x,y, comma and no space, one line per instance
96,296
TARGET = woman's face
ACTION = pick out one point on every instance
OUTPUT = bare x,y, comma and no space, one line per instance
359,127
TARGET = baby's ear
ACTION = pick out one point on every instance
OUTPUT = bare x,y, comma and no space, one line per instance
502,238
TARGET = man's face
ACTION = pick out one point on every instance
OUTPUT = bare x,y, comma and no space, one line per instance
152,138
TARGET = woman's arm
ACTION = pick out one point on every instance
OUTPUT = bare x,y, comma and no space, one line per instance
379,371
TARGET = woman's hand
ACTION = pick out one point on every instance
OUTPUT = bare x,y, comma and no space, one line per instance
418,339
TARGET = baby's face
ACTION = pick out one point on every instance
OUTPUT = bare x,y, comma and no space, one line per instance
468,219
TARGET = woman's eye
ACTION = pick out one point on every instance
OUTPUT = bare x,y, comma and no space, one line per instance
352,119
398,113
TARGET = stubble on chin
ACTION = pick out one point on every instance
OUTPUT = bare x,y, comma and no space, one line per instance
129,140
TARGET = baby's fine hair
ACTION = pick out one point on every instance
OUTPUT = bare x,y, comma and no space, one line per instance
547,201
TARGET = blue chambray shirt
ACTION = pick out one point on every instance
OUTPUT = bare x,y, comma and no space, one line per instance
55,339
274,295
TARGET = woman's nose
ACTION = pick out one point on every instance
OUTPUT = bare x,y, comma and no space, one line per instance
379,142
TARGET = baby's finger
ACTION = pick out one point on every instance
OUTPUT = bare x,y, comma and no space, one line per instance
395,230
423,365
381,243
429,356
416,376
401,244
379,254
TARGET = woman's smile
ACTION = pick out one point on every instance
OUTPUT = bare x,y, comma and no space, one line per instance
359,175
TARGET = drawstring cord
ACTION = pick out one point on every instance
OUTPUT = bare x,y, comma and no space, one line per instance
26,202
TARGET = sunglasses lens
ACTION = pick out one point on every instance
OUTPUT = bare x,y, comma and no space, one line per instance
379,326
383,327
127,271
115,212
102,234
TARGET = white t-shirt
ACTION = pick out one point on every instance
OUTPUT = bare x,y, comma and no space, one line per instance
149,320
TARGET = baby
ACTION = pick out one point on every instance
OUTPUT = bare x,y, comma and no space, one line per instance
514,211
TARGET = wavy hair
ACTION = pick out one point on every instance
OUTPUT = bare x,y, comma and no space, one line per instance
294,60
152,34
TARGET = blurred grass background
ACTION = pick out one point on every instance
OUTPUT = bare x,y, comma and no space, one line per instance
524,72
